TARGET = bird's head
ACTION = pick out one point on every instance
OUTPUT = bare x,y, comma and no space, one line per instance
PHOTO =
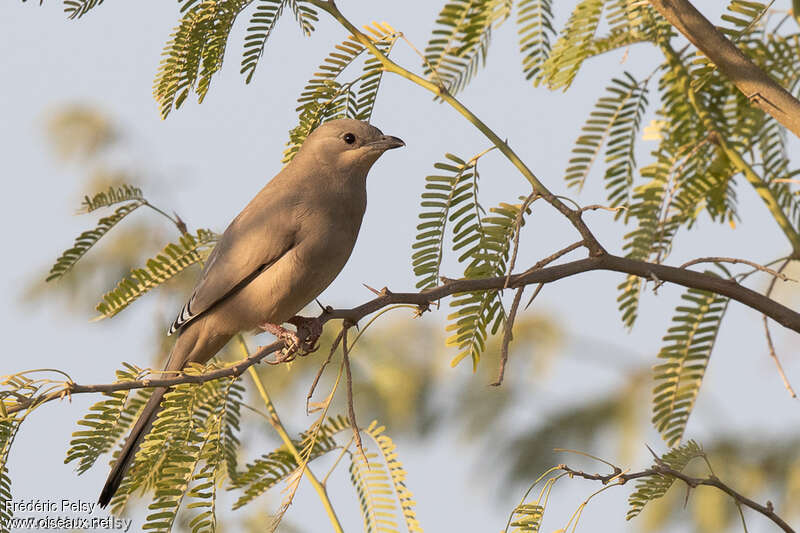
348,145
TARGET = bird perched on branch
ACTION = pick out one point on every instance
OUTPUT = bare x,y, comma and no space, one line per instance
277,255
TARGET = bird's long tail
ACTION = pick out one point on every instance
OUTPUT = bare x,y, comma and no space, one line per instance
135,438
193,344
184,346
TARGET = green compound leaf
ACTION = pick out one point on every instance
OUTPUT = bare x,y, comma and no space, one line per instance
271,468
380,484
218,453
614,122
653,487
535,21
451,198
460,41
195,51
114,195
477,314
87,239
9,426
75,9
175,258
187,444
262,23
527,518
105,424
573,46
687,348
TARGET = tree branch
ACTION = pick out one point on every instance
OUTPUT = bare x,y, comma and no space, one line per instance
536,275
692,482
70,387
762,91
687,278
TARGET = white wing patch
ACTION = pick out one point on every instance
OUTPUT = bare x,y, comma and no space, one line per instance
184,317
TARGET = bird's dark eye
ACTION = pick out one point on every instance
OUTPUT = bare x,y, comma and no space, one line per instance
349,138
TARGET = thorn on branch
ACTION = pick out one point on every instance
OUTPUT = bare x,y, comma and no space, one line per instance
656,282
534,295
180,224
372,290
654,454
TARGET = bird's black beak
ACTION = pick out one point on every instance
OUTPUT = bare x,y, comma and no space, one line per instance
387,142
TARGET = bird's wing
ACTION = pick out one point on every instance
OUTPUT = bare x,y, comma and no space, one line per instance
255,240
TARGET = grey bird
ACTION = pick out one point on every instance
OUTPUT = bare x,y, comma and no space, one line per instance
278,254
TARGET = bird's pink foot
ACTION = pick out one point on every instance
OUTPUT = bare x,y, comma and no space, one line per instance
303,341
288,336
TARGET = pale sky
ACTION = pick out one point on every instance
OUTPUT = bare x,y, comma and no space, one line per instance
211,158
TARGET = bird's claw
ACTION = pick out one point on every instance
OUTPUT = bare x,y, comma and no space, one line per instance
289,337
309,330
303,342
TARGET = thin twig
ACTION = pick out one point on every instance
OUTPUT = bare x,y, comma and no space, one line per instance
535,275
179,223
775,273
351,412
768,335
425,61
71,388
595,207
552,257
780,23
663,470
744,275
507,336
614,467
675,169
345,450
774,356
711,471
322,368
517,230
576,515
